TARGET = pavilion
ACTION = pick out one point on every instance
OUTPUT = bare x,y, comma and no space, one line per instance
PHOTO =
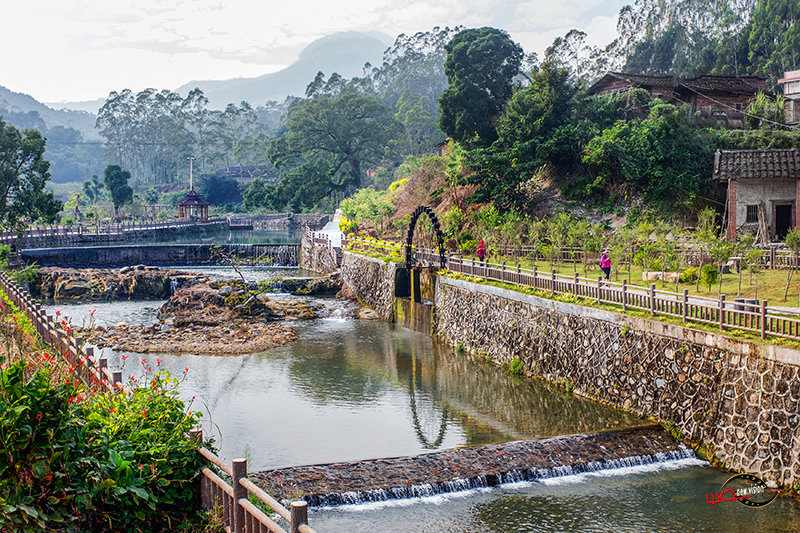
193,207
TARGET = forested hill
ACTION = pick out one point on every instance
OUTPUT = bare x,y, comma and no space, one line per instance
14,106
344,53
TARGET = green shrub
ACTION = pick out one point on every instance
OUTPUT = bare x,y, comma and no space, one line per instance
468,246
689,275
709,275
515,367
103,462
348,226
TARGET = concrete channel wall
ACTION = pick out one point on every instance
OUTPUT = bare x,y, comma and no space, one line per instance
740,397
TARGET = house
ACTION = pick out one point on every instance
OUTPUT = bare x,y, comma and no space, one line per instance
763,191
791,90
719,98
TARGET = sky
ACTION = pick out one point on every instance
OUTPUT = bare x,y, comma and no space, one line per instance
73,50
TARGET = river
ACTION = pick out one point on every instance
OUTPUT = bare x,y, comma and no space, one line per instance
349,389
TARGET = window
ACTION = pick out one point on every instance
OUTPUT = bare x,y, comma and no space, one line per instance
752,213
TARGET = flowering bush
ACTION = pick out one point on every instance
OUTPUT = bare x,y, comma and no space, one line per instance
94,461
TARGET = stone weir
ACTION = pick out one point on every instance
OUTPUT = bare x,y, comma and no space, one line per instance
459,469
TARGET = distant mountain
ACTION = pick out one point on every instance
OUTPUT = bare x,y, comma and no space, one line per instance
20,103
344,53
90,106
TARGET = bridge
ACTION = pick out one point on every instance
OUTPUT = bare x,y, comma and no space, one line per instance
267,254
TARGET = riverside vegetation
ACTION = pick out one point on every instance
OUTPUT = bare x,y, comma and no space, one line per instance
76,457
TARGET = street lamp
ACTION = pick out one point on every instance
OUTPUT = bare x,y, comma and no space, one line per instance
191,184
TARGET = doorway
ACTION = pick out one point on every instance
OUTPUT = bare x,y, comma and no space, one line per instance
783,220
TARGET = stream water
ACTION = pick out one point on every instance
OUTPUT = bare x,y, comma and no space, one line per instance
349,389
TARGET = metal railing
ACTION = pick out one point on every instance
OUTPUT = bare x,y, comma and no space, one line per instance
80,233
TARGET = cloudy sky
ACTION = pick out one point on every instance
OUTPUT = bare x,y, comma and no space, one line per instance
70,50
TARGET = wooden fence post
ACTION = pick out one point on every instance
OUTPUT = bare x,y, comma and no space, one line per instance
553,286
535,278
599,289
764,317
239,471
299,515
653,298
519,274
624,295
685,303
721,311
503,274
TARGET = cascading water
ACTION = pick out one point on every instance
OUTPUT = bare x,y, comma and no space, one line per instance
486,481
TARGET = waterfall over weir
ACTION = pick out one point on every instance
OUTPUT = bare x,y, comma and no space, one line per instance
468,468
492,480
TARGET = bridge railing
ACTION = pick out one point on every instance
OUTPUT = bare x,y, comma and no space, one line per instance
75,233
720,312
239,514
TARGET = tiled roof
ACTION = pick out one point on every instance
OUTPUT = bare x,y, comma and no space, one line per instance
193,198
757,164
741,85
730,84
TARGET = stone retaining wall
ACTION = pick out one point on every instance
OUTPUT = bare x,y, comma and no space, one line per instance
317,258
371,281
742,398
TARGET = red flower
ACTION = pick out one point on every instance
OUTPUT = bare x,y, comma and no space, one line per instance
158,362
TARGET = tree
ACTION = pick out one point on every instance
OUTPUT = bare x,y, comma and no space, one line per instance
774,37
480,66
116,181
792,240
23,174
536,128
93,189
329,143
220,189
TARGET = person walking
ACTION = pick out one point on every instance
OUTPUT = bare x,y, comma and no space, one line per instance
605,264
481,251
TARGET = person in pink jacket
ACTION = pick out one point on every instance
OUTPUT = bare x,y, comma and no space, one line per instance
481,251
605,264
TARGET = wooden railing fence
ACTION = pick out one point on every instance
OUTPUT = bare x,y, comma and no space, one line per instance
720,312
240,515
61,338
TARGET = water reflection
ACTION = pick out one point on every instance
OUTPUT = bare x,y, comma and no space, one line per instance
349,389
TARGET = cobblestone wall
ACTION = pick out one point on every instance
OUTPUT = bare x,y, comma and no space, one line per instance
371,281
742,398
